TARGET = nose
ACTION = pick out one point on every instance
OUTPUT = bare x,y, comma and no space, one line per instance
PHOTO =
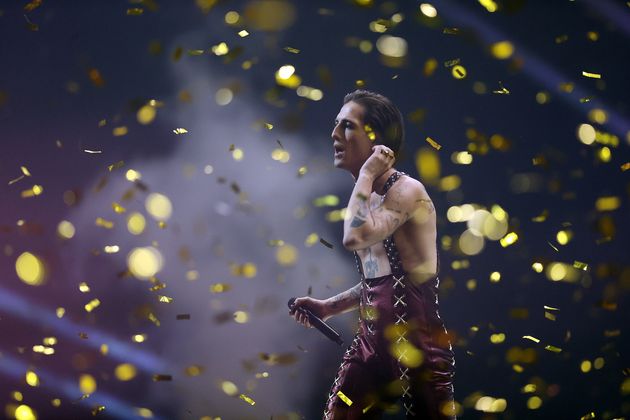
335,133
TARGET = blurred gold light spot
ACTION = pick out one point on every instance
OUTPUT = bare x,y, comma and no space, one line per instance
470,243
241,317
136,223
490,5
471,284
326,200
119,131
280,155
229,388
586,133
132,175
392,46
159,206
83,287
65,229
111,249
146,114
125,372
542,97
450,183
534,403
365,46
407,354
509,239
220,288
91,305
220,49
556,271
607,203
139,338
31,378
598,116
30,269
458,72
497,338
238,154
454,214
564,236
87,384
24,412
604,154
223,96
598,363
428,165
428,10
60,312
502,50
495,276
585,366
144,412
311,239
56,402
309,93
17,395
462,158
144,262
232,17
249,270
269,15
537,267
286,255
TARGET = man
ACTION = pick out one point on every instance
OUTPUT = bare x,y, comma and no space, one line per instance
401,350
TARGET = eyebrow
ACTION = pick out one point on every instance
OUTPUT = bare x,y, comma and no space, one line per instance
344,120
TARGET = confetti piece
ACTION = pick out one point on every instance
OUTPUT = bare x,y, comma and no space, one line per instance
182,316
91,305
135,11
433,143
541,217
303,170
116,165
502,90
550,308
580,265
450,31
13,181
97,409
291,50
83,287
83,335
32,5
550,316
247,399
104,223
551,245
529,337
451,63
591,75
243,33
158,286
344,398
553,348
326,243
92,151
165,299
30,25
34,191
154,319
180,130
161,377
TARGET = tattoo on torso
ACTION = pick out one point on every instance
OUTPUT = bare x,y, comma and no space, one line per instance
370,267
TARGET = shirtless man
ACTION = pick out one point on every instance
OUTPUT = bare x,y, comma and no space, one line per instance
401,350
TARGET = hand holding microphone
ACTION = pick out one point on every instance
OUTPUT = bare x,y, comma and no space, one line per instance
306,317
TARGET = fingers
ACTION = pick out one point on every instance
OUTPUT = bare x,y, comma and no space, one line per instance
383,150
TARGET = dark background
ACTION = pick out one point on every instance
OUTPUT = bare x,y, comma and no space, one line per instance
50,110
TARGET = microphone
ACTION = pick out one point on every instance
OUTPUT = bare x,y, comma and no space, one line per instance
315,321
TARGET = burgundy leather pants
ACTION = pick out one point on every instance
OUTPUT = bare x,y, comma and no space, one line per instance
400,352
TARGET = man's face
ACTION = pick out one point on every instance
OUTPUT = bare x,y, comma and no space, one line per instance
351,143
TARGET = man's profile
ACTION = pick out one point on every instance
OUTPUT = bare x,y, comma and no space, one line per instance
401,350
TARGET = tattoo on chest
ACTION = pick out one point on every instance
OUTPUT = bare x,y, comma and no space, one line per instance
371,266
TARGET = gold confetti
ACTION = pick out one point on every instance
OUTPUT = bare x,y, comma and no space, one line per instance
165,299
451,31
247,399
91,305
32,5
13,181
551,308
529,337
83,287
502,90
365,410
104,223
116,165
550,316
118,208
551,245
433,143
459,72
553,348
92,151
243,33
161,377
625,166
34,191
135,11
180,130
154,319
291,50
220,287
344,398
580,265
591,75
98,408
451,63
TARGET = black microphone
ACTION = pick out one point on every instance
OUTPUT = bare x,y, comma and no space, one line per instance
315,321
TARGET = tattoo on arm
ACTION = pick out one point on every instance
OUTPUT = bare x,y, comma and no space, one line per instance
428,203
361,216
346,300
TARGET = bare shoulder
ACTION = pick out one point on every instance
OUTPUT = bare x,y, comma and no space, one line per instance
410,195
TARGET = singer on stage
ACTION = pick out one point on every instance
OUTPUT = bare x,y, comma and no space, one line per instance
401,351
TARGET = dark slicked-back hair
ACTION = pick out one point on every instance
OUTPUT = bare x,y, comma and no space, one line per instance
383,117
